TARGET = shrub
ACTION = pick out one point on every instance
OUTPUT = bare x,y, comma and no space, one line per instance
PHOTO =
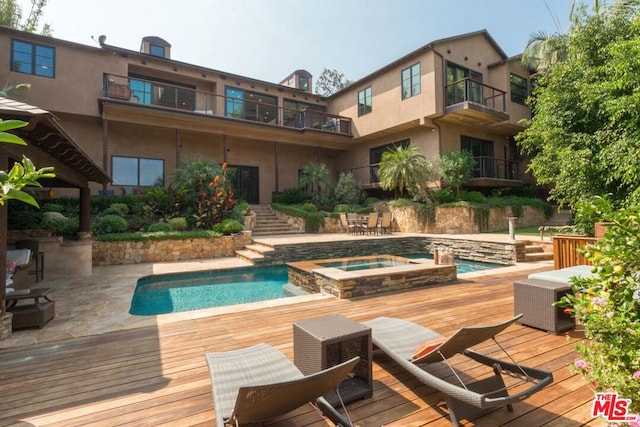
607,305
347,190
68,227
343,208
112,211
178,224
26,219
444,195
313,221
111,224
228,226
122,207
236,214
290,196
472,196
309,207
52,207
165,235
369,201
243,207
159,227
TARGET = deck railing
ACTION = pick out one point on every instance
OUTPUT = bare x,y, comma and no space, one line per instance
470,90
565,252
148,92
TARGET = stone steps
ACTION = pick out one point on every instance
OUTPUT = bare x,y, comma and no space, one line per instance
537,252
256,253
268,223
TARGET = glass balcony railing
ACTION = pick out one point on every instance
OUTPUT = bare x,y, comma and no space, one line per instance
147,92
469,90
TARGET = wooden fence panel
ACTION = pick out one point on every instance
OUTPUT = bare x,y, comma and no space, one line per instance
565,253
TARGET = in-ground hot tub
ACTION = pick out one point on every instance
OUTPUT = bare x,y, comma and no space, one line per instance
367,275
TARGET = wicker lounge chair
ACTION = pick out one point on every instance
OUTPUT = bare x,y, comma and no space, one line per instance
255,384
399,339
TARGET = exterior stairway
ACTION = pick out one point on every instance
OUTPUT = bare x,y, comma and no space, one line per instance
267,223
538,251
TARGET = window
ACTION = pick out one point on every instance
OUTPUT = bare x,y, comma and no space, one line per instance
411,81
519,89
463,85
242,104
292,113
303,83
137,171
375,156
364,101
482,152
29,58
165,94
156,50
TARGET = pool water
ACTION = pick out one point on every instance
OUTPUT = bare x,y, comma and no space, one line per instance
362,264
175,293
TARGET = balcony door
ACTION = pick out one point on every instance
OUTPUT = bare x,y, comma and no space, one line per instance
246,183
483,153
463,85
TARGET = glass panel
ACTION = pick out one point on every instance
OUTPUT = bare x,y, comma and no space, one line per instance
519,89
406,83
304,83
151,172
364,101
124,170
141,91
44,61
156,50
415,80
235,103
22,57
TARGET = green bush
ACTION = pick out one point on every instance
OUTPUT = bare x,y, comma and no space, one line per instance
444,195
122,207
243,207
112,211
472,196
370,201
159,226
343,208
290,196
68,228
52,207
111,224
236,214
313,221
347,190
228,226
160,235
26,219
178,224
309,207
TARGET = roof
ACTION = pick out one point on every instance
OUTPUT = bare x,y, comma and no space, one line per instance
56,142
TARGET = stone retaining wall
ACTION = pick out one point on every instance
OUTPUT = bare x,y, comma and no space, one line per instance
113,253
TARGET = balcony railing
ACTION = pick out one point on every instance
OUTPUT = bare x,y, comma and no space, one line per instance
469,90
492,167
148,92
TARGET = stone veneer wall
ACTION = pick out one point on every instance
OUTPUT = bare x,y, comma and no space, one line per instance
497,252
113,253
462,220
370,284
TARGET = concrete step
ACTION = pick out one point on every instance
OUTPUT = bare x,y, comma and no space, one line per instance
249,256
538,256
530,249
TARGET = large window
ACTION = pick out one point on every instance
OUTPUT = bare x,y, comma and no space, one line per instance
411,81
303,83
519,89
165,94
30,58
482,151
375,156
463,85
364,101
243,104
136,171
293,116
156,50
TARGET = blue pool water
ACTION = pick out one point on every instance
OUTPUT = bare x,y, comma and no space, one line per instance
192,291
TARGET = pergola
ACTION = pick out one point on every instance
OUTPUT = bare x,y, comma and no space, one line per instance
48,145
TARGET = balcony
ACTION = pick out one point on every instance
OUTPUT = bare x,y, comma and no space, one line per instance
140,92
494,172
476,101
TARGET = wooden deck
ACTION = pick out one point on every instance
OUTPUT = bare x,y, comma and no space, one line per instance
157,376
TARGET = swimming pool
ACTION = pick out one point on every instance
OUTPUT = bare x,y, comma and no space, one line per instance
173,293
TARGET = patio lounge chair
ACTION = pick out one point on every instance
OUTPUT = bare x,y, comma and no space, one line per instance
401,340
255,384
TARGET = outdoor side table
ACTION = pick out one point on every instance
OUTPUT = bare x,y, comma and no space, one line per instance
34,315
534,298
326,341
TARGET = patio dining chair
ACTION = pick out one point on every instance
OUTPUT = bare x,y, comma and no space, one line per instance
385,223
350,227
371,225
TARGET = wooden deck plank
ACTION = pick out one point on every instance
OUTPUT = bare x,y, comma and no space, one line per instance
158,375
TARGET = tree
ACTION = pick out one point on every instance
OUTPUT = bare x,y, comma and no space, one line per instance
315,178
330,82
456,168
406,168
585,134
21,174
11,16
347,190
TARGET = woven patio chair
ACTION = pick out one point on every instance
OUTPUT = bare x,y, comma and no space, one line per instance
255,384
415,348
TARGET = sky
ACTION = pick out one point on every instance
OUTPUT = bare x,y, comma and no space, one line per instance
269,39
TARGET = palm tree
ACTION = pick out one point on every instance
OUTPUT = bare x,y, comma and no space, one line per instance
315,177
404,168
